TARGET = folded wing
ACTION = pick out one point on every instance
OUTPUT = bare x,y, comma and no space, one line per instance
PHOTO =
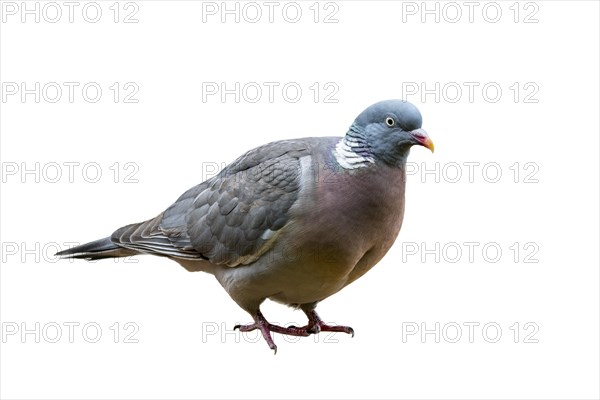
231,219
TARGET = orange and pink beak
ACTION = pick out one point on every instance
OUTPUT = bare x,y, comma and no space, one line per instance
422,138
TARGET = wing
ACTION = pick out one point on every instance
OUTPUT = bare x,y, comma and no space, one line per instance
231,219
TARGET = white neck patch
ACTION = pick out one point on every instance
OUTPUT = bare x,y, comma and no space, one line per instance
347,158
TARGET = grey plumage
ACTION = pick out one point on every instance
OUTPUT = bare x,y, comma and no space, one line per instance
294,220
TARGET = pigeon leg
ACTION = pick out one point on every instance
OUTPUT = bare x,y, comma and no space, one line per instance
316,324
266,328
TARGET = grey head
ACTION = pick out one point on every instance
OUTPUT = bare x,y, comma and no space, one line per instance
387,130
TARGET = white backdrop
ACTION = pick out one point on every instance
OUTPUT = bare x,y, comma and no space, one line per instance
111,110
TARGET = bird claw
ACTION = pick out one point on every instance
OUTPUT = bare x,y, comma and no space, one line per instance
315,326
246,328
322,327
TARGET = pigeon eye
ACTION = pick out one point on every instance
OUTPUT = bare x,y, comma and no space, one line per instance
389,121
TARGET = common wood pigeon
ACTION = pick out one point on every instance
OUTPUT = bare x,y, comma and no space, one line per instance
294,221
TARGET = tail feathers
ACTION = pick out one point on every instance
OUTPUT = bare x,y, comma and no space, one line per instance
96,250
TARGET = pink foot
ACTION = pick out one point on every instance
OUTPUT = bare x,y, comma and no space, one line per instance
266,328
315,325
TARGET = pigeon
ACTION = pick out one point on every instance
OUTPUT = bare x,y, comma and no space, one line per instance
294,221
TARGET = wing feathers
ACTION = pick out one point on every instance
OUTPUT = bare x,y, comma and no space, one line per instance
231,219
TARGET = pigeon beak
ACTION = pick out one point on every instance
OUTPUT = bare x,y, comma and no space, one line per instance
422,138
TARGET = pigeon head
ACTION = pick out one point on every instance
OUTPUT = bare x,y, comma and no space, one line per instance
388,130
